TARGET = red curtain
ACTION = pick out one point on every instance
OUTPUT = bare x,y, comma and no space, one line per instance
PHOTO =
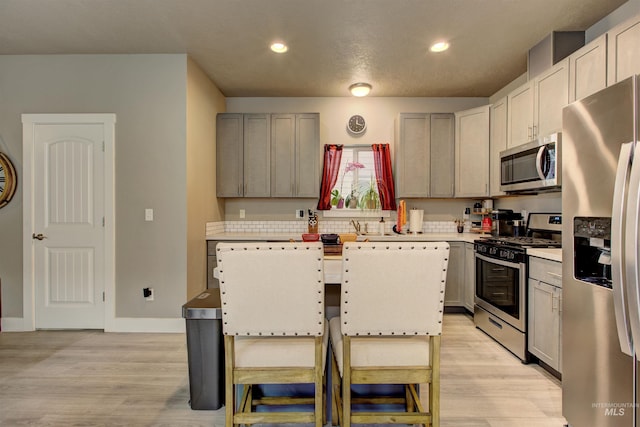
384,176
332,157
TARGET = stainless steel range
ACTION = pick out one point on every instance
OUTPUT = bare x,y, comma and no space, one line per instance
501,280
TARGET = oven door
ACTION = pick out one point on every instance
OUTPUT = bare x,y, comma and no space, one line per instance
500,289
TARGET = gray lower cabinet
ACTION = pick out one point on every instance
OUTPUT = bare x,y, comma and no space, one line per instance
424,158
267,155
545,311
469,276
454,290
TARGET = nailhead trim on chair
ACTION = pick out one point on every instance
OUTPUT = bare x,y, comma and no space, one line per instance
261,246
399,247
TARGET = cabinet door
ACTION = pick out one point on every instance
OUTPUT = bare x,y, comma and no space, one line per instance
413,154
551,96
229,154
453,294
283,135
623,51
257,137
497,143
588,69
520,107
442,155
544,322
469,276
307,148
472,153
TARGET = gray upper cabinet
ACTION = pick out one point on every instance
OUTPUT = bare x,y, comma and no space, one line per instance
551,96
283,135
472,152
520,115
256,155
307,176
424,157
442,155
295,149
623,51
229,155
413,155
588,69
497,143
535,108
267,155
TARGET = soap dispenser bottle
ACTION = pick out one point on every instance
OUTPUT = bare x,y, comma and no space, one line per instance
381,226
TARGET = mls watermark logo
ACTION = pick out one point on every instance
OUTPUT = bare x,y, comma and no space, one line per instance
614,409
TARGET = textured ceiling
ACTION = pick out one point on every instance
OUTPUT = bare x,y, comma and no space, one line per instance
332,43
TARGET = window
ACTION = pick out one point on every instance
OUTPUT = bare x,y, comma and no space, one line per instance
356,191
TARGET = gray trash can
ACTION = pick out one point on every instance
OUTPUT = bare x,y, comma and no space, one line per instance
205,350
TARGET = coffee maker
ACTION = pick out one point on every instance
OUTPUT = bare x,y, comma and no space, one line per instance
506,223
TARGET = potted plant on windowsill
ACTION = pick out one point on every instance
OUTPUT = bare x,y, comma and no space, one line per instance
352,200
336,199
369,198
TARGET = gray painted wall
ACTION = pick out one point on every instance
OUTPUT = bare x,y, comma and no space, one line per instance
148,95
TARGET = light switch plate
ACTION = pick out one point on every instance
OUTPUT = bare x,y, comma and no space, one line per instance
148,214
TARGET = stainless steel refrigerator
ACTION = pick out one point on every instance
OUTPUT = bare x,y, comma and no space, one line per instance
600,304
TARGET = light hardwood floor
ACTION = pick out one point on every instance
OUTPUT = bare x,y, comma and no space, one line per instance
90,378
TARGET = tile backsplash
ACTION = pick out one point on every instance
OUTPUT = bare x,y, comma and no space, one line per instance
324,227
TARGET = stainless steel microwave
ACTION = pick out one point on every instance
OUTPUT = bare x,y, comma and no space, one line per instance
532,167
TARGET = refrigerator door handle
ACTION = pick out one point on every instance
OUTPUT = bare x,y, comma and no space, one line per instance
619,284
632,282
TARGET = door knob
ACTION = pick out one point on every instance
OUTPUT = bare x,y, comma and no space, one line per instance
39,236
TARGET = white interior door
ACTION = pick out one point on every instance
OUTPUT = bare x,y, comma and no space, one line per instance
68,238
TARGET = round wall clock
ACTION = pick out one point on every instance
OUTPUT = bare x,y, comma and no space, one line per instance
356,125
8,180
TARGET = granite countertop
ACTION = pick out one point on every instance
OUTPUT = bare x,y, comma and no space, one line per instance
553,254
281,237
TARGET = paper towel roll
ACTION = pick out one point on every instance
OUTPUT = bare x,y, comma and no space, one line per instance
415,220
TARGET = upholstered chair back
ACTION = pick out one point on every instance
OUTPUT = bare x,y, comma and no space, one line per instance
393,288
271,289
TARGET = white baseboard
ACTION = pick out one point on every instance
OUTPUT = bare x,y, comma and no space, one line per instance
135,324
119,324
12,324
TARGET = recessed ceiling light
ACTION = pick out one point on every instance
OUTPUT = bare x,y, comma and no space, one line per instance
279,47
439,46
360,89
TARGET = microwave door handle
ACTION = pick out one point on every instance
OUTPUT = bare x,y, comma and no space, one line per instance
617,250
539,158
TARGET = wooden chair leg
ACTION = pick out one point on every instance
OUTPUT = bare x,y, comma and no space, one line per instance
434,389
319,411
336,406
229,397
346,381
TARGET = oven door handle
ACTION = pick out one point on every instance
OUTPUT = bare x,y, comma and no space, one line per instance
498,261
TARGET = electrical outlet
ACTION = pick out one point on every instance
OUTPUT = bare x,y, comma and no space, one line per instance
242,213
299,213
148,214
148,294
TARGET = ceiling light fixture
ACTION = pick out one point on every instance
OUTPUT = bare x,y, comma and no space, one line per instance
279,47
439,46
360,89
